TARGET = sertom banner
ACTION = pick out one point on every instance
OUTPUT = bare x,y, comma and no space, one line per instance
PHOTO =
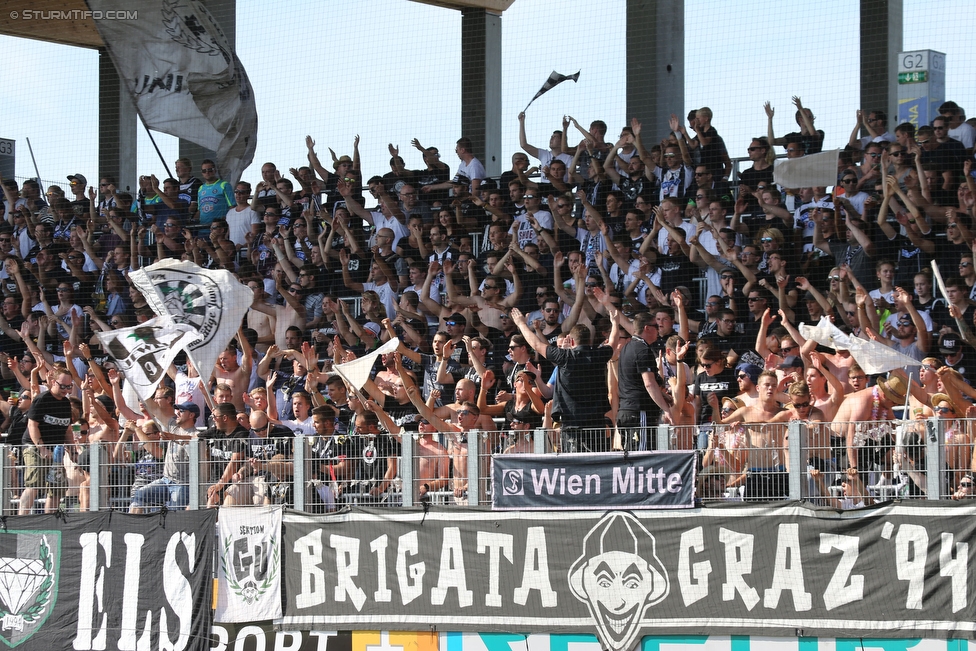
249,565
888,571
642,480
107,580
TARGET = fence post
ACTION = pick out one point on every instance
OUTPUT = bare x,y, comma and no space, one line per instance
298,472
408,467
796,432
476,451
539,437
95,475
6,472
934,457
663,442
193,448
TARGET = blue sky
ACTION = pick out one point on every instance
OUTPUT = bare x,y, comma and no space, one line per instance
390,71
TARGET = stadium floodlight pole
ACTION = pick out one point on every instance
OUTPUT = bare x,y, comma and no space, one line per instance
153,141
34,160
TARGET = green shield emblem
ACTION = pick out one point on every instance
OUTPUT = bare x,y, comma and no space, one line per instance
30,563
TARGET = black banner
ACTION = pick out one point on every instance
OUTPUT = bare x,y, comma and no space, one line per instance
641,480
263,636
788,569
107,580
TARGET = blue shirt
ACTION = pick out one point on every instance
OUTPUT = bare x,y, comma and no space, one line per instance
213,201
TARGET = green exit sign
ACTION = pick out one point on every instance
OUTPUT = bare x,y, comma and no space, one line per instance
912,77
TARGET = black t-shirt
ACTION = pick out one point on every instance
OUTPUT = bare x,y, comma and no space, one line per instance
753,177
53,417
375,457
269,442
636,358
723,385
580,395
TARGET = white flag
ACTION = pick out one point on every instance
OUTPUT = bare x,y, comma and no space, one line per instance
809,171
249,567
211,301
144,352
872,356
357,371
183,76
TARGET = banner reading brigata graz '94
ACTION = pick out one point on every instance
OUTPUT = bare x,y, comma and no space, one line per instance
107,581
887,571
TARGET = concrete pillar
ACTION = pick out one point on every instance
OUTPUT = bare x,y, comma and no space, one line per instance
481,86
881,41
118,124
225,12
655,66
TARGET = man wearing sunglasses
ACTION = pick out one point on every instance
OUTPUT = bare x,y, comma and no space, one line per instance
47,425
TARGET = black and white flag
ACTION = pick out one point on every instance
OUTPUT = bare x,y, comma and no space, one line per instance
211,301
554,80
183,76
144,352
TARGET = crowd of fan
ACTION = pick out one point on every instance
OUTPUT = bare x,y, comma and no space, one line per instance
562,296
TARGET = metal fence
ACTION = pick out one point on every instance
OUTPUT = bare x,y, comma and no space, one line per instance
832,464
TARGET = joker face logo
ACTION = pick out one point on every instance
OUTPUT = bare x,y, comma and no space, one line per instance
618,577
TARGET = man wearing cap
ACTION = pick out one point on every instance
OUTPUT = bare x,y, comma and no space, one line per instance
172,489
910,336
865,416
636,385
78,183
747,375
951,347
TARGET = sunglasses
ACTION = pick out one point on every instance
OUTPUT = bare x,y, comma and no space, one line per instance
766,239
465,412
450,323
943,410
965,484
801,405
753,299
65,387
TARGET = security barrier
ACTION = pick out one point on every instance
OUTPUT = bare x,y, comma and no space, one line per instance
925,459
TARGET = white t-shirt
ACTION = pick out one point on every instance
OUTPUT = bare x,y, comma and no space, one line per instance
546,157
239,224
387,297
382,221
964,133
524,231
474,170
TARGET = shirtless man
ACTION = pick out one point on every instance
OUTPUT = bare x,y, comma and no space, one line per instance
292,313
236,376
259,321
818,378
467,420
433,460
766,444
465,391
801,408
866,416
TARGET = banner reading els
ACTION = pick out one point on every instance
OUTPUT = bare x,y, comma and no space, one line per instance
92,581
768,570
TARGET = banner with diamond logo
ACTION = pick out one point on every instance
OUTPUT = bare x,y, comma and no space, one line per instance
107,580
30,563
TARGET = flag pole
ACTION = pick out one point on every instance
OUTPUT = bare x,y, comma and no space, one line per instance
155,146
34,160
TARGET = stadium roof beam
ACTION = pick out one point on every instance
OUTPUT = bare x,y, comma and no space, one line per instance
54,21
881,23
655,63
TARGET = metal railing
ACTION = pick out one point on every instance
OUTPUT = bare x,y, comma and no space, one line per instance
830,464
